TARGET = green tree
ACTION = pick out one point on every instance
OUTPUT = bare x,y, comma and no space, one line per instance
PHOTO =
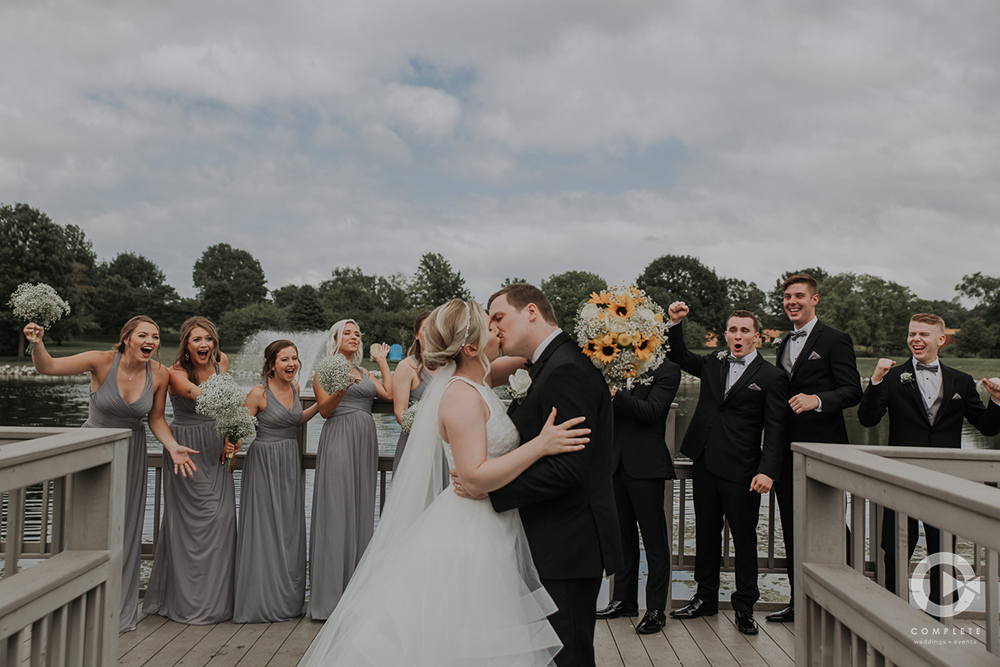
568,291
745,296
507,282
35,249
284,296
306,312
435,283
953,312
132,284
228,278
977,338
684,278
238,324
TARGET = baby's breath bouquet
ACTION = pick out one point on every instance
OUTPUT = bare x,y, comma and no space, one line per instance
39,303
222,399
333,372
406,423
623,333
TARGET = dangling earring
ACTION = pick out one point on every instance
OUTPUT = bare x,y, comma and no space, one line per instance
187,356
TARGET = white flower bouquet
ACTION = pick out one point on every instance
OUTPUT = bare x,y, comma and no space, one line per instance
333,372
223,400
406,423
39,303
622,331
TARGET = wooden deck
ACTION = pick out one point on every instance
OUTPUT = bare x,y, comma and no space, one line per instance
712,641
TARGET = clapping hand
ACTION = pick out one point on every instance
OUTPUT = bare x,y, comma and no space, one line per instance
677,311
993,386
380,351
881,368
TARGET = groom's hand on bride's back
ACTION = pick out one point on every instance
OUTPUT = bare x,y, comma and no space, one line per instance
460,490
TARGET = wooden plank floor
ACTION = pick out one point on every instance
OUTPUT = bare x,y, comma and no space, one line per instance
706,642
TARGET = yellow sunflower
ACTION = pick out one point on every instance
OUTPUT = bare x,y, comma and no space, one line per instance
644,348
623,306
591,347
606,351
600,299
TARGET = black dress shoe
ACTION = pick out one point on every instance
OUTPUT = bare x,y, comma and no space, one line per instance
695,607
786,615
745,623
618,608
652,622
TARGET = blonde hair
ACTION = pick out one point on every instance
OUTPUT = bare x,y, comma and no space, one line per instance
129,328
451,327
930,319
335,337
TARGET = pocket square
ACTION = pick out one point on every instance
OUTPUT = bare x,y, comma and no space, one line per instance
957,395
754,387
814,356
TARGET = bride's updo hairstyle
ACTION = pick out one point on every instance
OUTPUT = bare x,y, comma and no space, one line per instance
451,327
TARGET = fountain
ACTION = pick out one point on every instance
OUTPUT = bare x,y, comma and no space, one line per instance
311,346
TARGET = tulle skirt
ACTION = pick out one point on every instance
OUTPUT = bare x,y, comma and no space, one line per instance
459,589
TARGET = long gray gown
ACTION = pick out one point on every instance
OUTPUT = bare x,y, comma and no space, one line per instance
343,514
192,577
109,410
271,544
415,395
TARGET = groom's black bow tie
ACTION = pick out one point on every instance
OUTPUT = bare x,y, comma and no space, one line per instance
797,334
933,368
736,360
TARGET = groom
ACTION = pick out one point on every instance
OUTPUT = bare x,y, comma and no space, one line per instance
566,502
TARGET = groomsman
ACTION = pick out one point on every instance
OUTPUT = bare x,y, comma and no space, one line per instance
642,465
927,403
824,381
741,396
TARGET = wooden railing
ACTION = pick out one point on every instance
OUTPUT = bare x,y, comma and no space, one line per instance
64,610
846,618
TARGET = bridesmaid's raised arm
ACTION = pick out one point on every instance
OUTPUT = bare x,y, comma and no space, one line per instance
94,361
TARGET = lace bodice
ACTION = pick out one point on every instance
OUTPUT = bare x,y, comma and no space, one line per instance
501,434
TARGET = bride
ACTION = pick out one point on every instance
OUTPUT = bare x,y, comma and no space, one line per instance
446,581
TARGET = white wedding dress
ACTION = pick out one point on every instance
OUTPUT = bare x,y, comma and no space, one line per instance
445,582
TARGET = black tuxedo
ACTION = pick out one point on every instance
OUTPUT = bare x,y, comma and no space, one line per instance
567,501
641,463
910,426
724,441
827,368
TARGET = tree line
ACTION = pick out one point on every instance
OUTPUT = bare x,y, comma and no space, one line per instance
232,291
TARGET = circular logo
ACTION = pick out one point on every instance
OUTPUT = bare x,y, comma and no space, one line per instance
957,575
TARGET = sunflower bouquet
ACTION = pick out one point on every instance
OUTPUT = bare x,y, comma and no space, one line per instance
623,332
40,304
222,399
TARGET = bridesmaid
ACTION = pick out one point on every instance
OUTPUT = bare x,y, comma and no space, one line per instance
409,382
343,514
125,385
192,577
271,546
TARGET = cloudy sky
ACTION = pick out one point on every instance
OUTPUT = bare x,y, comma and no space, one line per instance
516,138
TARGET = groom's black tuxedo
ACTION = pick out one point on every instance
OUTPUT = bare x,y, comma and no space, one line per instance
910,426
567,501
724,442
826,367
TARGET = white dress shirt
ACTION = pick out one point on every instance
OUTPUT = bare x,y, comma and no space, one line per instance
736,370
544,344
795,345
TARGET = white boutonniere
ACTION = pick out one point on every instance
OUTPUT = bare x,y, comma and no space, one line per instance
520,383
906,378
778,340
722,355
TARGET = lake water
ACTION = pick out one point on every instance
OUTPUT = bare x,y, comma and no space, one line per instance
43,403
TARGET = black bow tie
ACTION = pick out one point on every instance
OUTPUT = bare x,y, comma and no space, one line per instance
736,360
933,368
797,334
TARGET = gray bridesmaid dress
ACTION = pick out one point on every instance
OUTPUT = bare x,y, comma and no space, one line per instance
109,410
415,395
192,577
271,543
343,513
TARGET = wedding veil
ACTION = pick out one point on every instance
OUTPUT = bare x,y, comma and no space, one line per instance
415,485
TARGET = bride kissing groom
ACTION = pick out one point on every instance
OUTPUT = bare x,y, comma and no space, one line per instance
566,502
